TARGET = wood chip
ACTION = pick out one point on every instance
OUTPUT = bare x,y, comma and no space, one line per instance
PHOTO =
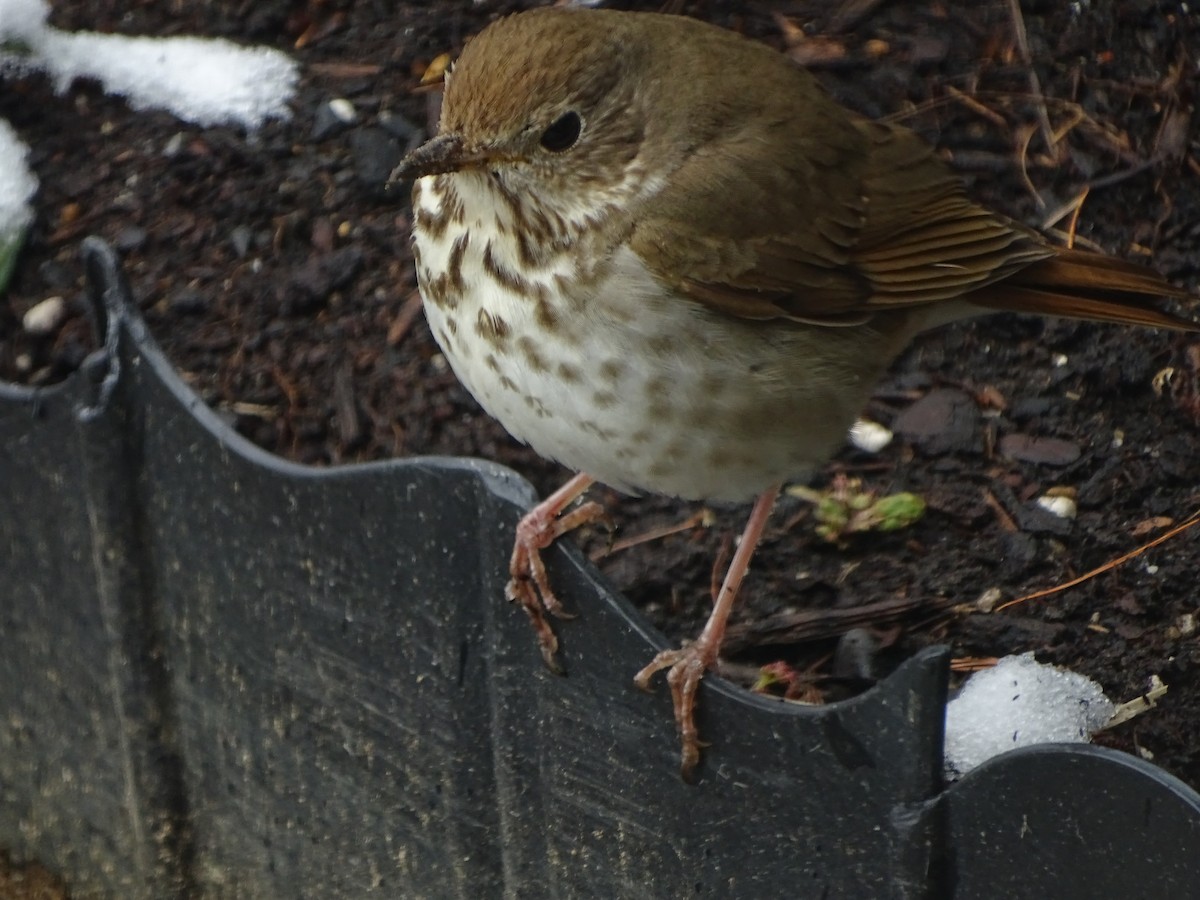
1045,451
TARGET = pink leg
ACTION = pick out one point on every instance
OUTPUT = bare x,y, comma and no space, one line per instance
688,664
528,583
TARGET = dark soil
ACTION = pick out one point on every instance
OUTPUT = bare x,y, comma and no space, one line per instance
28,882
277,276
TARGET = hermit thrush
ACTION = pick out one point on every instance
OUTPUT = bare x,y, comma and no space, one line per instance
658,253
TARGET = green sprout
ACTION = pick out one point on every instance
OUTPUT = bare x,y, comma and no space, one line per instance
10,248
844,508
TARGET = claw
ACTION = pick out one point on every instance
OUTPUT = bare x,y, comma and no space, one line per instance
529,584
685,670
521,591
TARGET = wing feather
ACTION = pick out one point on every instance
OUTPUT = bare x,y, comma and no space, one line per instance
858,218
806,212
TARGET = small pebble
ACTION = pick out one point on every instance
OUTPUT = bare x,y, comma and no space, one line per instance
130,238
1061,506
343,110
868,436
1186,624
987,601
173,145
329,120
45,317
242,238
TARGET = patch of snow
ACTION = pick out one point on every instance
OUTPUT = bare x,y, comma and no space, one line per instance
1017,703
17,184
205,81
201,80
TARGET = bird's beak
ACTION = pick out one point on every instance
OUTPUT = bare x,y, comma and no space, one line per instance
444,153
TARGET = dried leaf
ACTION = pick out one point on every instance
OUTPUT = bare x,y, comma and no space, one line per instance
1152,524
436,70
818,51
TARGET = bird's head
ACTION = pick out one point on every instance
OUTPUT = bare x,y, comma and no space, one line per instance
552,106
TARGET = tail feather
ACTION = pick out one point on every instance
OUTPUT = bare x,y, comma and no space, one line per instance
1077,284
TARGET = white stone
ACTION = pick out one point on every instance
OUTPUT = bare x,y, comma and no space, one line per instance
343,110
1063,507
45,317
868,436
1186,624
986,602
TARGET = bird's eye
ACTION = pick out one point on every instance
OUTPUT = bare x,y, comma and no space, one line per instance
562,133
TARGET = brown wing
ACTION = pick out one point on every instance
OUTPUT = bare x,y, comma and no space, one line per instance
924,241
761,219
845,218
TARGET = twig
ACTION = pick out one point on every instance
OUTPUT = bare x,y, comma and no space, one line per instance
976,107
1108,566
1002,515
1075,217
972,663
821,624
1078,117
1035,86
344,69
1124,174
701,517
1138,705
1026,135
1059,213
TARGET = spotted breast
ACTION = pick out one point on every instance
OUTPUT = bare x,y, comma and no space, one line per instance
561,333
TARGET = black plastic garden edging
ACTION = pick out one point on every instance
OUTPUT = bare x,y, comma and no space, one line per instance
225,675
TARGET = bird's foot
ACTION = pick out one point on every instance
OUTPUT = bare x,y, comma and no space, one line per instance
685,669
528,583
687,665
